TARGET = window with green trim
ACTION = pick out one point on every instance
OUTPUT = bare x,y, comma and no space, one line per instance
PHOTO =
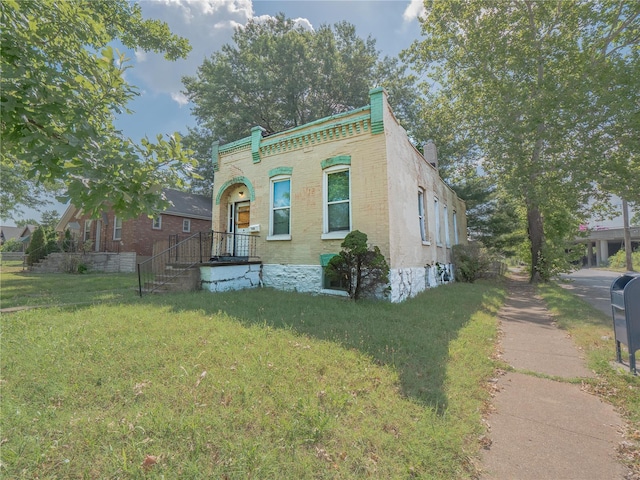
337,215
280,206
327,282
331,284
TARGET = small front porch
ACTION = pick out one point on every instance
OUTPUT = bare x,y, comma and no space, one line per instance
225,261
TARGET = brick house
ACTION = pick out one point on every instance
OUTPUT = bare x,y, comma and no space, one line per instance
22,234
303,190
188,214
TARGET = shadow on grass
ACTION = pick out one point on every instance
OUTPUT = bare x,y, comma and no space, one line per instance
413,337
575,309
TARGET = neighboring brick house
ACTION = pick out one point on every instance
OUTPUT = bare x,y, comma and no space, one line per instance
189,214
22,234
303,190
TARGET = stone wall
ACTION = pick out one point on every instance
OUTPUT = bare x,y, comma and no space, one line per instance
95,262
6,256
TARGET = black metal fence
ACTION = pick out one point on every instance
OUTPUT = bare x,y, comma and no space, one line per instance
186,251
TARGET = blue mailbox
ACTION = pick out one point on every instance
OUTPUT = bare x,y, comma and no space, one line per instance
625,308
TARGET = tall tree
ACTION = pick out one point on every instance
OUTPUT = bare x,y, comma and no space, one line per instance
62,84
198,140
278,75
548,92
493,218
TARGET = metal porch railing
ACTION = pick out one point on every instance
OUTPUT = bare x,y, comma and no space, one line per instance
184,252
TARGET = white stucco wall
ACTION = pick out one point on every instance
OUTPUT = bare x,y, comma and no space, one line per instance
299,278
405,282
229,277
408,282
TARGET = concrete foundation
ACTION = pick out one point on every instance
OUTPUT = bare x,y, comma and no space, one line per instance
222,278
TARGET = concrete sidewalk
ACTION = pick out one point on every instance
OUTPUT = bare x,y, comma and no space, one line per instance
540,428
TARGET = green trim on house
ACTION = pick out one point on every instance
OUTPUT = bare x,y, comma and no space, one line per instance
215,155
256,137
237,145
348,127
325,258
235,180
339,160
368,119
280,171
376,99
320,121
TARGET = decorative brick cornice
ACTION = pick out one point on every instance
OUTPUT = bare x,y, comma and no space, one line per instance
368,119
242,144
347,127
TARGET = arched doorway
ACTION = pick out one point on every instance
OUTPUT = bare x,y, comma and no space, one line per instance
234,199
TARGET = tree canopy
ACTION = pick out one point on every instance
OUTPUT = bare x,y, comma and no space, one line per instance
279,75
545,96
62,84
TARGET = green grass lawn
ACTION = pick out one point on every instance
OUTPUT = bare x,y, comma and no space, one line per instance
254,384
23,288
261,383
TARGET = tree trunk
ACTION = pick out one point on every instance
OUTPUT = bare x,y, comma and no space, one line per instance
627,237
536,237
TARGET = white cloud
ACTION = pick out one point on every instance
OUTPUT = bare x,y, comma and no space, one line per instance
414,11
141,56
180,98
207,24
304,23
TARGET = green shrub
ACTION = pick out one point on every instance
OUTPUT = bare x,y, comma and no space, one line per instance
43,242
471,262
12,245
364,271
619,259
37,248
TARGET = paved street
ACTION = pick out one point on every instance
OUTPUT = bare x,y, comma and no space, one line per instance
592,285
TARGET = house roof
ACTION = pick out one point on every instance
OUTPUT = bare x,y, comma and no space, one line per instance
185,204
19,233
7,233
188,204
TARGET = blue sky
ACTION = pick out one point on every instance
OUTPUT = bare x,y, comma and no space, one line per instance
208,24
161,108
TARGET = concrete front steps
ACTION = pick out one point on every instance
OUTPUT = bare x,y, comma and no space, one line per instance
174,278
